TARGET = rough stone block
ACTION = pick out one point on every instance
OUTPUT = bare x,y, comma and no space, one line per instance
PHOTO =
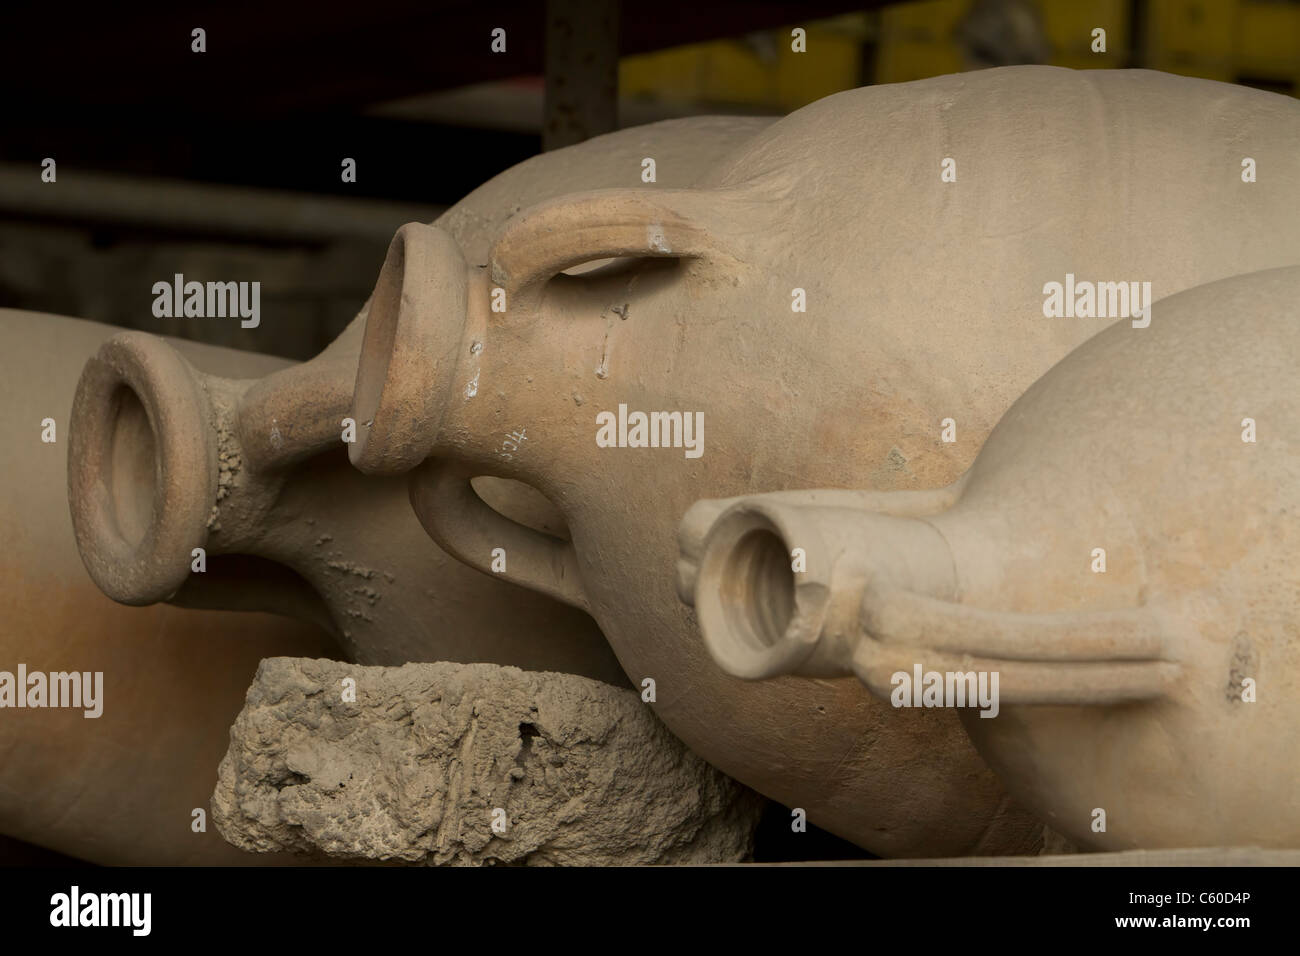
429,757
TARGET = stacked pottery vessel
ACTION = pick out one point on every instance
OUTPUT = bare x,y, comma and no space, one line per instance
850,298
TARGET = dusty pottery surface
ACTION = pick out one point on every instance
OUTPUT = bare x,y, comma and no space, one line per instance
120,788
166,459
1160,687
254,470
428,756
924,302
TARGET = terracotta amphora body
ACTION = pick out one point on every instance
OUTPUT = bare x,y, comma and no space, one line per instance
1110,596
120,788
838,292
252,469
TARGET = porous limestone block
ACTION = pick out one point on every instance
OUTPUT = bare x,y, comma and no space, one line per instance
468,764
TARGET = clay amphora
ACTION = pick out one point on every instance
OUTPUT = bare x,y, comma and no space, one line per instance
254,471
924,301
165,460
120,788
1122,555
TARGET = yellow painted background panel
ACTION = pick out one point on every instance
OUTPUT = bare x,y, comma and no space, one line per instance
1069,25
1216,39
1268,40
770,75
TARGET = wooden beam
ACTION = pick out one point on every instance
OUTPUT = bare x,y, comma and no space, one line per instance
581,99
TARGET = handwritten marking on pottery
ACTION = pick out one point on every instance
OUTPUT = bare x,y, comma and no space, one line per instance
223,299
654,430
349,692
1098,300
798,300
199,820
48,431
1098,560
349,173
947,689
471,389
798,560
349,430
1248,430
648,690
510,444
1247,170
948,170
648,172
48,170
200,563
127,910
499,560
798,820
83,690
498,44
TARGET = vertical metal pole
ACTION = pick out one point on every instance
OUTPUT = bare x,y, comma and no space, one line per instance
581,71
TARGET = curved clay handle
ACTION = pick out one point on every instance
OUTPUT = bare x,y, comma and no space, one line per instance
608,223
464,526
1064,657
